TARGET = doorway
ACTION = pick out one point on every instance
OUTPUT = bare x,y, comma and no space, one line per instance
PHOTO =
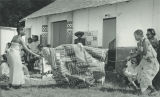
59,33
109,42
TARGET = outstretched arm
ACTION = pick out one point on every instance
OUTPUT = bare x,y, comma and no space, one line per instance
27,49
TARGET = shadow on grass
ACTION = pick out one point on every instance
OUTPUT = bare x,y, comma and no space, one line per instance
52,86
125,91
115,79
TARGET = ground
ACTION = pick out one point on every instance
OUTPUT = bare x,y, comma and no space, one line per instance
47,88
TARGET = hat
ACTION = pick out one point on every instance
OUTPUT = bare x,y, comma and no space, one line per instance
79,33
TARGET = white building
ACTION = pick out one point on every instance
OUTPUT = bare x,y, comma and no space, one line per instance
105,19
108,18
6,35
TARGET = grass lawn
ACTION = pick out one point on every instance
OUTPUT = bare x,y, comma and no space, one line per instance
48,88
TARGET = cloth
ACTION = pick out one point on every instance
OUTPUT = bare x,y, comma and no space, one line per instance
15,64
149,66
72,63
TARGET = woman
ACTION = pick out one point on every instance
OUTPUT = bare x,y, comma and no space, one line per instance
151,37
148,66
14,59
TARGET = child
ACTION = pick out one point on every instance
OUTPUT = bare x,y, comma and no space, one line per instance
4,69
131,70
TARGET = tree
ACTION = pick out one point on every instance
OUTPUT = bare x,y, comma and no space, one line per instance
11,11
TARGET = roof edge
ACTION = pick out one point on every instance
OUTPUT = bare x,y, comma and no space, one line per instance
110,3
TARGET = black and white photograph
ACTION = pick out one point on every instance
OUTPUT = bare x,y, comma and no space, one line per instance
79,48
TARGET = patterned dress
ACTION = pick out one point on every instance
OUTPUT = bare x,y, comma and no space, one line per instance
149,66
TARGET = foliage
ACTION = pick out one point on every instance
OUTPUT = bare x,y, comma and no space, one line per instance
11,11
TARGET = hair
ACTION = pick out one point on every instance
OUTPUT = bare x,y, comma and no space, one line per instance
4,57
48,45
29,38
40,46
152,31
9,44
19,27
139,32
36,36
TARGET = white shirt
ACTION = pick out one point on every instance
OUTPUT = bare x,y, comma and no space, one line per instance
34,46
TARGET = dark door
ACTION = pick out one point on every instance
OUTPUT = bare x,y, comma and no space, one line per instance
59,33
109,41
109,31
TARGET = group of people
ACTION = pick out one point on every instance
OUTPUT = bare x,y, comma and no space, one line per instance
144,65
146,69
20,58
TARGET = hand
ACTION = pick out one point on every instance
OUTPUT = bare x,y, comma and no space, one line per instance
38,56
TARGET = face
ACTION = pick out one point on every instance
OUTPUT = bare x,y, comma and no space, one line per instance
29,40
21,31
137,37
149,35
79,36
35,38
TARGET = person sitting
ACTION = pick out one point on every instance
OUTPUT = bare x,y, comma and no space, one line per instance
29,42
34,48
4,69
35,43
79,34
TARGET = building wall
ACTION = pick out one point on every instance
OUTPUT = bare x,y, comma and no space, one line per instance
156,17
6,35
36,24
136,14
55,18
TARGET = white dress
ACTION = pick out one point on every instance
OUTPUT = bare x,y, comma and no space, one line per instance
15,64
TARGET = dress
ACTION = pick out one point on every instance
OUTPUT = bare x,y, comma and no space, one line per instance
15,63
149,66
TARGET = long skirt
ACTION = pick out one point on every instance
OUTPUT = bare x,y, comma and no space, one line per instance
16,66
147,70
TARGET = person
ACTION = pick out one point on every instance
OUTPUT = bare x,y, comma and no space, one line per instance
34,48
4,67
29,56
14,59
29,42
79,39
151,37
154,42
7,46
148,66
35,44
